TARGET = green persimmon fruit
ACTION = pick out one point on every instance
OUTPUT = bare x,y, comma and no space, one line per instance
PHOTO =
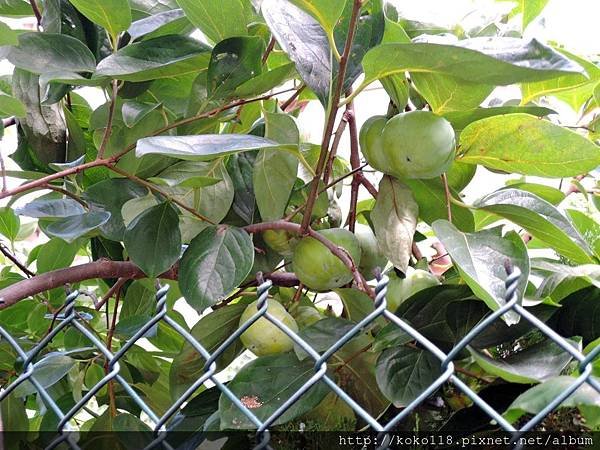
400,289
371,142
263,337
305,316
370,256
417,144
317,267
281,241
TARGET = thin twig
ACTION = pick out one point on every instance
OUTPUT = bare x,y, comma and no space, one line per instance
109,123
448,197
159,191
354,163
9,122
118,285
3,169
36,13
285,105
109,339
22,267
66,193
268,50
339,132
333,108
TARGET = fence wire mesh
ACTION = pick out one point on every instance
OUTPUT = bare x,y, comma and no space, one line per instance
71,318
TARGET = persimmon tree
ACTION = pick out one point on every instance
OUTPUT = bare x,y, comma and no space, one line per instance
192,172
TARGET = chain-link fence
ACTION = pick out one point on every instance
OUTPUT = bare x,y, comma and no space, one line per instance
71,318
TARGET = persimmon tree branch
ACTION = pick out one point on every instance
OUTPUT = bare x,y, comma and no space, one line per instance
333,109
103,268
354,163
109,123
341,253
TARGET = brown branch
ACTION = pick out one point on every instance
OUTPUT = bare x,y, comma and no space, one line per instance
339,132
103,268
159,191
114,288
354,163
341,253
268,51
285,105
9,122
109,123
36,12
6,252
368,185
333,108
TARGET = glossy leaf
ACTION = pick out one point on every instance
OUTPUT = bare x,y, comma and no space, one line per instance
538,397
42,208
461,119
578,315
114,15
263,393
217,20
153,240
161,57
202,147
304,41
266,81
47,371
73,227
275,171
539,218
10,106
9,223
233,61
431,198
495,61
49,52
524,144
215,263
110,195
403,373
480,259
163,22
240,167
395,220
535,364
327,12
56,254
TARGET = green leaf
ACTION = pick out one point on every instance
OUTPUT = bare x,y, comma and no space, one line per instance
240,166
210,331
403,373
395,220
431,198
535,364
114,15
10,223
480,259
73,227
165,23
56,254
327,12
233,61
266,81
588,228
139,301
47,371
133,112
461,119
494,61
560,280
217,20
202,147
10,106
275,171
538,397
110,195
304,41
524,144
263,393
153,240
215,263
49,52
64,207
357,304
12,408
579,315
530,10
15,8
547,193
447,93
541,219
161,57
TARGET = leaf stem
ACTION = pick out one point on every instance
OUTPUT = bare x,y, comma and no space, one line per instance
332,113
109,123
